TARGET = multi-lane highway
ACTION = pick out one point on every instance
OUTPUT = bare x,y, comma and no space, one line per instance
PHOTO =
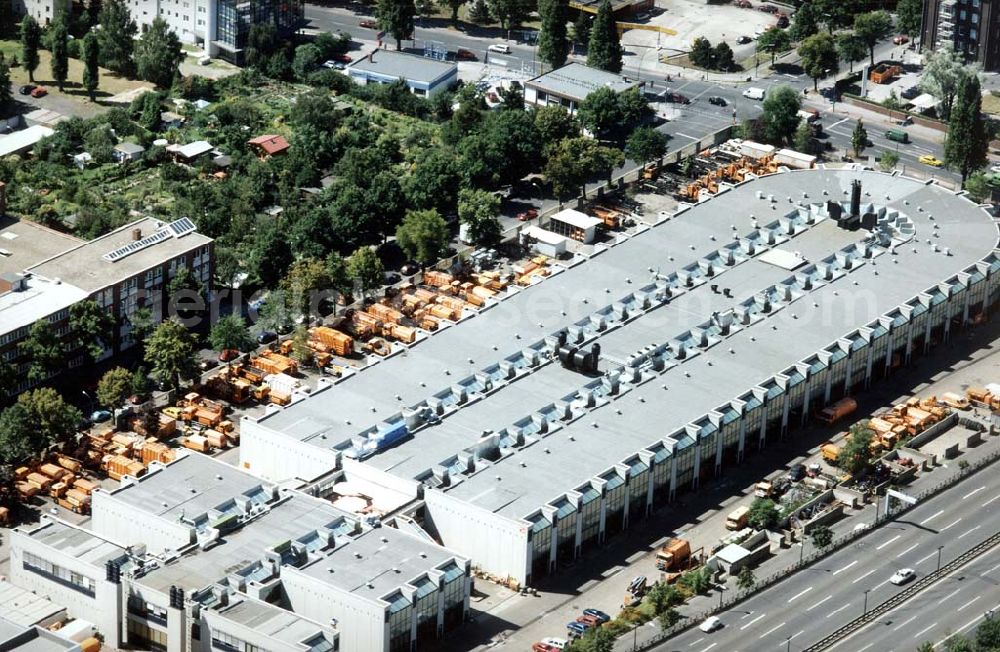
816,601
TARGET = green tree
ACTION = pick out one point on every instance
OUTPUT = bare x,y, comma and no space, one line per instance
553,43
819,56
479,209
55,419
230,332
574,161
926,646
668,618
479,12
116,37
307,58
19,438
301,351
365,269
581,28
978,187
859,137
114,388
93,327
45,351
262,41
305,286
58,36
722,57
872,27
909,14
988,634
763,514
781,114
270,256
821,536
702,54
396,18
91,58
158,54
856,454
275,314
336,272
510,12
5,95
805,22
663,596
555,123
943,70
889,161
454,6
31,40
967,140
958,643
171,353
599,112
645,144
804,141
745,579
604,50
698,581
850,49
434,180
774,40
140,383
423,235
9,379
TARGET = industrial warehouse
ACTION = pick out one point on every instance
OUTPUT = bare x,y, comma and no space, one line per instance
559,414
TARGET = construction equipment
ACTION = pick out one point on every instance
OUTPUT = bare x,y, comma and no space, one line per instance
884,73
274,363
676,557
763,489
830,452
737,519
954,400
983,397
839,410
324,339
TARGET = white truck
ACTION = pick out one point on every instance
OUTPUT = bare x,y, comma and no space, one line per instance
754,93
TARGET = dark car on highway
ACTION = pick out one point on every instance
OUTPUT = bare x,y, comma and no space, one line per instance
717,101
368,23
26,89
676,98
743,40
465,55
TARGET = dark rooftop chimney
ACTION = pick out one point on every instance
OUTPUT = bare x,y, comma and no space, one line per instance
856,198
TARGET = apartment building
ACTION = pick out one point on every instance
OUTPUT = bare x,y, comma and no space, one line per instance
43,273
971,27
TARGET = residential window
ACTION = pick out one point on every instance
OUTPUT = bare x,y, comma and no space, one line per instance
140,633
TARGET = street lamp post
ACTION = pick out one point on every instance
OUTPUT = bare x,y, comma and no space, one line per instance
788,644
802,550
866,602
722,590
939,557
90,401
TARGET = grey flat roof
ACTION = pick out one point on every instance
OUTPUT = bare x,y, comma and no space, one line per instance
86,268
23,608
14,638
710,379
193,484
271,621
378,562
29,243
576,81
404,66
296,517
76,542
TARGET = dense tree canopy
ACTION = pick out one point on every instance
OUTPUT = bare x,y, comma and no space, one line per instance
604,50
781,114
158,54
116,37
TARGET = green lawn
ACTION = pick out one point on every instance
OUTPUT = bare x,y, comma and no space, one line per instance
991,104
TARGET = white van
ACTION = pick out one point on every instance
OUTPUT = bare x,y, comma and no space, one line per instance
754,93
501,48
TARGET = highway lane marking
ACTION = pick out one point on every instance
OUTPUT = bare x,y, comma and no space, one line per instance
905,622
819,603
973,492
907,550
710,647
924,522
799,595
968,603
772,630
888,542
970,531
952,524
751,622
840,570
832,613
866,647
920,561
838,122
924,630
880,585
992,569
863,576
990,500
697,642
948,596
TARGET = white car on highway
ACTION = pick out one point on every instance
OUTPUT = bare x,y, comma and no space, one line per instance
902,576
501,48
710,624
557,643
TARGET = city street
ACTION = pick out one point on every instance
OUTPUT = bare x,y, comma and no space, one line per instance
817,600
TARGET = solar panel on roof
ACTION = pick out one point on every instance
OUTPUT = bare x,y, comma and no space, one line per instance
181,227
133,247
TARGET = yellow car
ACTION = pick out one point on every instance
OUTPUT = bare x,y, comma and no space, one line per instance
930,160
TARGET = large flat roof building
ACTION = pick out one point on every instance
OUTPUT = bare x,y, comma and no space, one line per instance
570,85
214,555
713,333
422,75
